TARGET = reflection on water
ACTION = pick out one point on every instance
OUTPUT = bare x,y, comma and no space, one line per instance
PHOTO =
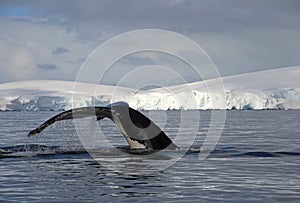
256,159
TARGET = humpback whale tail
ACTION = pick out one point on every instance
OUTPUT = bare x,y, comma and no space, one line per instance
139,131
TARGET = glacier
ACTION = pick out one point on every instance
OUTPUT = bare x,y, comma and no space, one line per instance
271,89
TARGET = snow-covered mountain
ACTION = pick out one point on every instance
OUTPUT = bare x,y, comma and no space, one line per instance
271,89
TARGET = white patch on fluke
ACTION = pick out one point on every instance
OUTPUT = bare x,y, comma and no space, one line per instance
133,144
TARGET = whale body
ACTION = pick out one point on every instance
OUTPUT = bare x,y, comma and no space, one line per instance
139,131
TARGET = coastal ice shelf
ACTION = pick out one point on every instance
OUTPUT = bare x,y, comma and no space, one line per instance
271,89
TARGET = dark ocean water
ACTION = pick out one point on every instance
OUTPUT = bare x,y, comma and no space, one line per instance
256,159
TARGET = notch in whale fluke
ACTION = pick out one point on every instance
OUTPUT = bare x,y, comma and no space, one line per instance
139,131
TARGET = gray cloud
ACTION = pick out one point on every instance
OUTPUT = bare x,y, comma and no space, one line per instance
47,66
239,35
60,50
213,15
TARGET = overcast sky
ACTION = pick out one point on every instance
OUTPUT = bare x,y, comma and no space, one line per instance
51,39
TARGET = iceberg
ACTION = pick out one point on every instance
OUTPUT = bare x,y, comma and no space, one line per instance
271,89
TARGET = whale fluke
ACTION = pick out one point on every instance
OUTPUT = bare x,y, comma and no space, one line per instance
139,131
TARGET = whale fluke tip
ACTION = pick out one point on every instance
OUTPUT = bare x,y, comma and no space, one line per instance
32,133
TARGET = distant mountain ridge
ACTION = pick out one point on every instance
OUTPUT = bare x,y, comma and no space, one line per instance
271,89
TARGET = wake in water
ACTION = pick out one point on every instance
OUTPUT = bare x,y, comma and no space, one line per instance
31,150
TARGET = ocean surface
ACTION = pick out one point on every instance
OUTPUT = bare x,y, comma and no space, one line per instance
257,158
